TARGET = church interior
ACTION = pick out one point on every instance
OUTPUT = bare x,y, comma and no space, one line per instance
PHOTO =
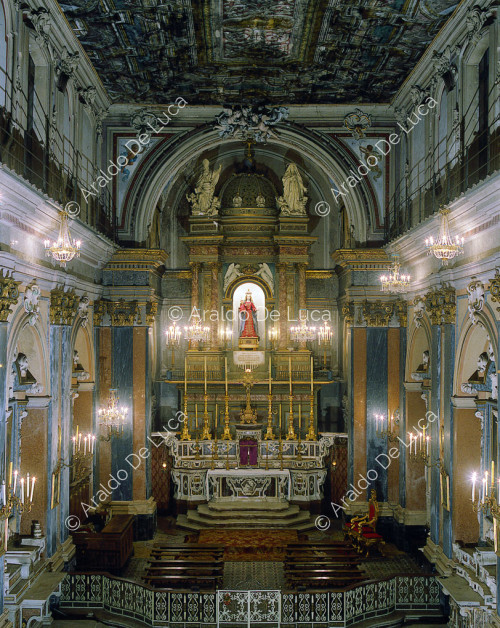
249,313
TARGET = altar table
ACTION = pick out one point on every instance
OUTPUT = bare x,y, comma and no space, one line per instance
248,483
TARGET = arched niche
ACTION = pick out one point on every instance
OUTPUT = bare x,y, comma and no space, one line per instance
474,340
82,343
259,300
420,341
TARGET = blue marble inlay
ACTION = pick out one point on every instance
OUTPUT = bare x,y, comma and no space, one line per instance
376,403
123,381
448,368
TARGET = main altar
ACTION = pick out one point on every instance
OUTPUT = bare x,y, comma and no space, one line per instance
246,435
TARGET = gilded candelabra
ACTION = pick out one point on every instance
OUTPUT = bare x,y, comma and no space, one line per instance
226,434
388,431
205,435
291,430
488,494
10,499
269,432
311,433
185,435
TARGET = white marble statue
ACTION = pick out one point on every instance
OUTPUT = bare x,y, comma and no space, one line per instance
422,371
31,302
294,199
203,201
265,273
484,378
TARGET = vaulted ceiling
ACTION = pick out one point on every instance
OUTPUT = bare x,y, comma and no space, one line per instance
269,51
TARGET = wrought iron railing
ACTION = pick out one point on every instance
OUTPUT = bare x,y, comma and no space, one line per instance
463,158
32,145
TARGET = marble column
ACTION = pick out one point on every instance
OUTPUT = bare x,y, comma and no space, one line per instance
214,303
3,424
282,301
302,298
435,405
59,434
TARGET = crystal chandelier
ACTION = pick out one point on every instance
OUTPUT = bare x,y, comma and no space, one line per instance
196,332
65,248
445,247
302,333
395,283
112,417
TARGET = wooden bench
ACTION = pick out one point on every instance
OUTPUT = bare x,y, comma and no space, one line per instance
199,581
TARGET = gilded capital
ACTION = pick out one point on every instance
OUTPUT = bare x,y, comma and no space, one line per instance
441,305
377,313
63,306
9,293
348,312
99,311
401,311
495,288
124,313
151,312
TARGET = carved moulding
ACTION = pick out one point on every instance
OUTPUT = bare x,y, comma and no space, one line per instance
63,306
9,293
475,291
418,311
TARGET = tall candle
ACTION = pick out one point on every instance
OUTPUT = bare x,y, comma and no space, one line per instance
300,416
312,376
6,532
486,482
185,377
32,488
216,411
225,372
290,372
269,374
10,474
492,473
22,490
15,481
474,486
280,419
196,414
205,372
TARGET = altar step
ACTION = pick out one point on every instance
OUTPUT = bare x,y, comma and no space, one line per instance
246,514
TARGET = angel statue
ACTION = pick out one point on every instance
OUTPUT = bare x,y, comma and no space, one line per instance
202,200
265,273
232,273
293,202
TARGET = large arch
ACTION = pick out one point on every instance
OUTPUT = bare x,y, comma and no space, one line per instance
325,158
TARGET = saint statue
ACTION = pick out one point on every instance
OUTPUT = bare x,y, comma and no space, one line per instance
484,378
249,334
202,200
293,202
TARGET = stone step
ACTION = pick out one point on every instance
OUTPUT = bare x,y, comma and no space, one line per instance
269,505
249,521
205,510
196,525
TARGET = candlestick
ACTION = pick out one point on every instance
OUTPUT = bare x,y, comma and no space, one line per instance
291,431
311,434
226,435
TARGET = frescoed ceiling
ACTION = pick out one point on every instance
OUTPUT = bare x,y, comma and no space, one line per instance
273,51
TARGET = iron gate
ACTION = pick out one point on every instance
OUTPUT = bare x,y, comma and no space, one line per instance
248,608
